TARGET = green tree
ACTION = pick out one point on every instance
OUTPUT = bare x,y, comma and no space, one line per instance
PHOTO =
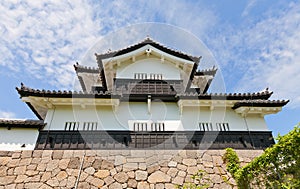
277,167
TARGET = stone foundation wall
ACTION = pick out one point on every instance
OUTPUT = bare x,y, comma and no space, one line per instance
114,169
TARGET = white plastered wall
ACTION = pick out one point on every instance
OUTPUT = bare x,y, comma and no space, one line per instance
14,138
151,65
123,116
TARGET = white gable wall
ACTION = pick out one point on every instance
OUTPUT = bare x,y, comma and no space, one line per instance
151,65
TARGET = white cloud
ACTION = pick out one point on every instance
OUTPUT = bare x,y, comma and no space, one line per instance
265,54
44,38
7,115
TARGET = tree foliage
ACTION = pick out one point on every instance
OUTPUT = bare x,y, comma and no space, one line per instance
277,167
200,181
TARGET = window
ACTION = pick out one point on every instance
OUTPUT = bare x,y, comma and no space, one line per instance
90,126
140,76
152,76
140,126
144,126
222,126
71,126
155,76
205,126
157,126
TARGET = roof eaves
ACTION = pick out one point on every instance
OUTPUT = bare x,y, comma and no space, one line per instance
260,103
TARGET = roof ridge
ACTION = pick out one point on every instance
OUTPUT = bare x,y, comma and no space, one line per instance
146,41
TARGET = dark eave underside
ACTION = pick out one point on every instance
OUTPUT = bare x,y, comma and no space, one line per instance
25,92
9,123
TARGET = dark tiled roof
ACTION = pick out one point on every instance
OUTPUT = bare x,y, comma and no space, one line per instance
260,103
78,68
154,44
26,91
227,96
212,71
9,123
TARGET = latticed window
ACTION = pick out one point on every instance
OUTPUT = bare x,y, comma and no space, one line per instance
90,126
71,126
222,126
140,126
140,76
157,126
144,126
205,126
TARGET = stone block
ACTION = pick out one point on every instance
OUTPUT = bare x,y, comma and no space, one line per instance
46,176
143,185
83,185
13,163
142,166
83,176
119,160
152,168
26,154
178,180
47,153
159,177
181,167
170,186
96,182
181,173
4,160
16,155
172,172
90,170
97,164
102,174
20,178
172,164
45,186
107,165
192,170
52,165
189,162
132,183
68,154
53,182
71,181
115,185
121,177
32,185
74,163
57,154
25,161
31,167
31,172
20,170
159,186
3,171
141,175
41,167
108,180
135,160
130,167
61,175
37,153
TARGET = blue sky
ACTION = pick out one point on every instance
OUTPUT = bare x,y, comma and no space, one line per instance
256,44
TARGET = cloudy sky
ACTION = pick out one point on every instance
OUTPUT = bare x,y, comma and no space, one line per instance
255,43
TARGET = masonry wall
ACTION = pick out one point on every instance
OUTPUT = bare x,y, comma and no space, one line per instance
114,169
